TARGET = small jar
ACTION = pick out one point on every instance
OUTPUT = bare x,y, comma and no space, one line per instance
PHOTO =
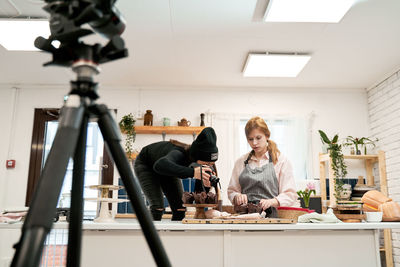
202,119
148,118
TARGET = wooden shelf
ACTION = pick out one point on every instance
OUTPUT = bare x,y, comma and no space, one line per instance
373,157
168,129
326,163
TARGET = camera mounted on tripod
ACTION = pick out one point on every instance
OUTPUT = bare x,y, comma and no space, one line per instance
66,19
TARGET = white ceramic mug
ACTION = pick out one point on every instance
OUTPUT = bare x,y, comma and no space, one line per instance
373,216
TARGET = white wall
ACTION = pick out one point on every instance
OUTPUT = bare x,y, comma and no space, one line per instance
384,116
336,111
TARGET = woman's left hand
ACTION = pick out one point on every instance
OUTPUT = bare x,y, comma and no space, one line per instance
266,203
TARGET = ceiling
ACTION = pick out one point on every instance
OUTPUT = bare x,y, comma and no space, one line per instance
204,43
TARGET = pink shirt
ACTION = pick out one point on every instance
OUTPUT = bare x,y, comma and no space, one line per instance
284,173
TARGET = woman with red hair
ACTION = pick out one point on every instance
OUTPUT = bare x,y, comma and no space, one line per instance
262,176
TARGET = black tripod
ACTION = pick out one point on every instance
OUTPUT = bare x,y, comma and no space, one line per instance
70,141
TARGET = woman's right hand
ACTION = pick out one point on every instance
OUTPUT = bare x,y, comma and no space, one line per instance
240,199
202,171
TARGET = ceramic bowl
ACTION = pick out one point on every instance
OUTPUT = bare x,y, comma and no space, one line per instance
374,216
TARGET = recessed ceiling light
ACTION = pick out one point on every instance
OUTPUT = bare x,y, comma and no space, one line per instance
21,34
274,65
307,10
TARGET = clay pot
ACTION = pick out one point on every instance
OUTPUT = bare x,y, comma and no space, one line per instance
184,122
345,193
148,118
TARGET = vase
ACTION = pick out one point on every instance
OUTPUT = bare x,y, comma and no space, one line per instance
148,118
202,119
345,193
166,122
306,202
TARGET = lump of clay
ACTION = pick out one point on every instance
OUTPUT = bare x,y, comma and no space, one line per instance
211,198
203,198
253,208
187,198
241,209
200,198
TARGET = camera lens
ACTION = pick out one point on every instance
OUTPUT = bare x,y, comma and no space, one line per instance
214,180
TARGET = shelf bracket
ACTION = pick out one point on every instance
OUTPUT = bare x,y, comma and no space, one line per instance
163,135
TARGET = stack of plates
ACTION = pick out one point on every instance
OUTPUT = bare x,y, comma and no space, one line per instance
360,190
349,205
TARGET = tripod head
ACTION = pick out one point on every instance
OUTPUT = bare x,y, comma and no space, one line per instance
66,19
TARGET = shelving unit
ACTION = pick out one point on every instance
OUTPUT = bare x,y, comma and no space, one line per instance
369,160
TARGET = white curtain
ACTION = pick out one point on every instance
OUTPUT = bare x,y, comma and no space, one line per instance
291,133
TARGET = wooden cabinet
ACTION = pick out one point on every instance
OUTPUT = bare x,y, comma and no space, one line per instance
325,162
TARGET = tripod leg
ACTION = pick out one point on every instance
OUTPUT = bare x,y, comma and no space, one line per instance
76,215
112,138
44,203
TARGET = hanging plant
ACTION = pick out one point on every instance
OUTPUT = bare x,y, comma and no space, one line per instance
127,126
338,165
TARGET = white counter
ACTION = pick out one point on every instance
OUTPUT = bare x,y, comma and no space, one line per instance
230,245
178,226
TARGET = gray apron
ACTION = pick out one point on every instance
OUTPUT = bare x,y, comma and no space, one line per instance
260,183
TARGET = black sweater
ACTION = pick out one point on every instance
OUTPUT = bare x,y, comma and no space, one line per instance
167,159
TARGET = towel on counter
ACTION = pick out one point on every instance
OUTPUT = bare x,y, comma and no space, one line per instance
12,217
314,217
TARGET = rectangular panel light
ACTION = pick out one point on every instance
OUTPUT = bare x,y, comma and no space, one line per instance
307,10
21,34
274,65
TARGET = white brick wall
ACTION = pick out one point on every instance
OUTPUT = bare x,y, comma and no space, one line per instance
384,118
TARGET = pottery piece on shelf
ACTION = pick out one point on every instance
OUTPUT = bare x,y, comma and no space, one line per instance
184,122
202,119
166,122
148,118
345,193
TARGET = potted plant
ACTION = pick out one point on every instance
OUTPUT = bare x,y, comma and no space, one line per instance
360,142
127,126
305,194
338,165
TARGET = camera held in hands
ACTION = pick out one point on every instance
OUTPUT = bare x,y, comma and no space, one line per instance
214,180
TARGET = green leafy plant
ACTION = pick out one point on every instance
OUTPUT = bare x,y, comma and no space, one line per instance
306,194
363,142
127,126
338,165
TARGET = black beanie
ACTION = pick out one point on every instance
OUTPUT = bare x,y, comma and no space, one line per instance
205,146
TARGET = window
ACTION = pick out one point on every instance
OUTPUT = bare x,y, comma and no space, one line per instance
94,154
45,128
290,135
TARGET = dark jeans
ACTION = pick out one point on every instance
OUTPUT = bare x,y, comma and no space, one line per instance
155,186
